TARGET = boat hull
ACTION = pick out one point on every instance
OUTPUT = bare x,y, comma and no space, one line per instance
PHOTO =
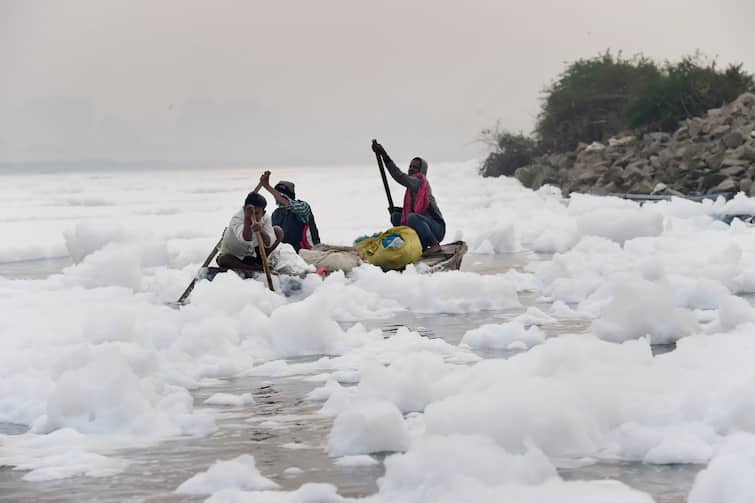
345,258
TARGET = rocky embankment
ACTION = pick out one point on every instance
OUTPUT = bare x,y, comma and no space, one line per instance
710,154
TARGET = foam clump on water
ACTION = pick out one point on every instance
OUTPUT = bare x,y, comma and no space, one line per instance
620,224
410,382
504,336
452,292
475,468
501,239
87,237
72,464
285,260
637,308
730,476
576,386
367,427
238,473
436,465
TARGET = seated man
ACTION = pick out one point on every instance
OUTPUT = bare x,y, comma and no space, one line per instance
294,216
239,248
420,210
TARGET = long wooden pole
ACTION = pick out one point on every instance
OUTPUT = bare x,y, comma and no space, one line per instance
385,179
263,254
204,264
212,255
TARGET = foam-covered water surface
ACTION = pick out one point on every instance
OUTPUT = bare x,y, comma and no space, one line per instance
284,432
590,349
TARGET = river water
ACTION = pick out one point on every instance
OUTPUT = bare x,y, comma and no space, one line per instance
283,430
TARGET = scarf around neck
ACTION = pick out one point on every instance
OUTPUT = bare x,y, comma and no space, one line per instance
421,199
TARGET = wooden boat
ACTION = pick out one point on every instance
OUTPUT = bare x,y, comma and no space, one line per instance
447,259
345,258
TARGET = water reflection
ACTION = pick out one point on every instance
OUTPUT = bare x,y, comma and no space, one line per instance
281,430
667,483
34,269
12,428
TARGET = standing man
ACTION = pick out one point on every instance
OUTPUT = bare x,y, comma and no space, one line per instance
239,248
294,216
420,210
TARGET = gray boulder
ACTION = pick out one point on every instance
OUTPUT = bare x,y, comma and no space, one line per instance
726,185
733,139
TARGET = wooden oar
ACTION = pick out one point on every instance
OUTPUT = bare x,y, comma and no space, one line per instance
263,254
204,264
212,255
385,180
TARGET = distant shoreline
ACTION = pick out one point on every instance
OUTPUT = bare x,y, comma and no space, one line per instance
93,166
43,167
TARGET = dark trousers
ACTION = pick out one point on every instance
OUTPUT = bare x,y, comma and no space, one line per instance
231,261
425,227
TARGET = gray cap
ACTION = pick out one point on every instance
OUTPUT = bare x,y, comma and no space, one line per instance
286,188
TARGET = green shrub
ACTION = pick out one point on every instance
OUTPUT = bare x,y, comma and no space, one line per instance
510,152
597,98
588,102
686,89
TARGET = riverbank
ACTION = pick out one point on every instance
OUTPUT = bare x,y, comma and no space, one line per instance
710,154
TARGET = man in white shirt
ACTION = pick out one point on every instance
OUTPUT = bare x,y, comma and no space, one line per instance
239,248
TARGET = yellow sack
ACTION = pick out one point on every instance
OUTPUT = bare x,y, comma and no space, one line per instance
392,249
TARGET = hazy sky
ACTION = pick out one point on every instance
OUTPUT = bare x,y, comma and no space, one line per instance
313,81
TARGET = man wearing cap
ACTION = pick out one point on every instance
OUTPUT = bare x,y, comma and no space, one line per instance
239,247
294,216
